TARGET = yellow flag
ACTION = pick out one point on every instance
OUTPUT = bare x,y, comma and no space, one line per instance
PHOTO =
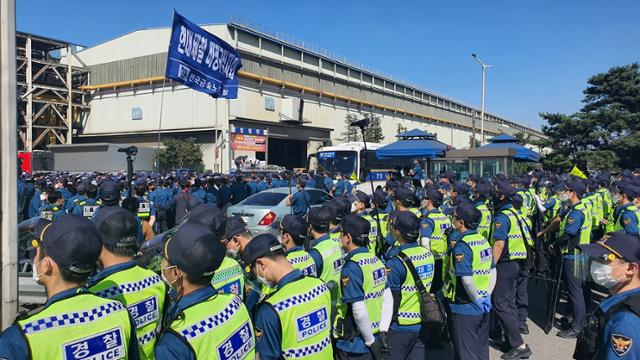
577,172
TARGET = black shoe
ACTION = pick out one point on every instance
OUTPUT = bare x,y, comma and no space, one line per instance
524,329
568,333
517,353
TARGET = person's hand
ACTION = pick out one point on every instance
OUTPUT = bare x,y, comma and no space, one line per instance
379,351
484,303
604,221
383,341
540,234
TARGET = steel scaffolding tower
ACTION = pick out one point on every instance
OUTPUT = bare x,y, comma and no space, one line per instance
51,105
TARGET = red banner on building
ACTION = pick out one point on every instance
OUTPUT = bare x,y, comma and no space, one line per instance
256,143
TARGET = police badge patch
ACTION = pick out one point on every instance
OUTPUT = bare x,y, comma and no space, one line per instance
345,281
621,344
459,257
258,332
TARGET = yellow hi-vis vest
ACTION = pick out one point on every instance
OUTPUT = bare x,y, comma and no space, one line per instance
83,326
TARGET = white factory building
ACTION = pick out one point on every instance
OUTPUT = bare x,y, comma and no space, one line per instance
126,97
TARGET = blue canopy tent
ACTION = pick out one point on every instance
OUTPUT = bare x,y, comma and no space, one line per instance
510,142
413,144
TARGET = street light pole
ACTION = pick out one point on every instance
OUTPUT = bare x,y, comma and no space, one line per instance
484,68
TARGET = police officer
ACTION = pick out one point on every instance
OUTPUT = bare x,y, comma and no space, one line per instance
146,212
362,203
52,209
574,230
468,286
338,210
81,190
236,236
363,281
292,233
509,244
613,330
162,203
406,337
294,320
230,276
481,192
73,323
626,214
89,205
432,234
300,200
199,315
325,252
140,290
405,200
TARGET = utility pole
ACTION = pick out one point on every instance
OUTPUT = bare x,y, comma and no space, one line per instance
8,165
484,68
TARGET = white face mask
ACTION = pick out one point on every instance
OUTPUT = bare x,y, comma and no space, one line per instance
43,197
264,281
601,274
616,198
232,253
564,197
35,274
164,278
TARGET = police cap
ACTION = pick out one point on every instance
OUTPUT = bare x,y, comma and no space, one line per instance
109,190
117,226
356,226
234,226
210,216
294,225
363,198
72,241
614,245
407,224
193,249
319,218
404,195
505,189
469,215
578,186
260,246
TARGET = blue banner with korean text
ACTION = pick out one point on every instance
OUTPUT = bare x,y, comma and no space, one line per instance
201,60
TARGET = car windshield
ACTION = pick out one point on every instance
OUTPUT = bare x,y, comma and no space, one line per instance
342,161
264,199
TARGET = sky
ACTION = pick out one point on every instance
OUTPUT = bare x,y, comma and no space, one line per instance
543,50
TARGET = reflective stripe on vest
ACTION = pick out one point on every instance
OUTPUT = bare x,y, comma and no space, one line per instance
409,309
619,227
303,308
302,261
438,243
229,278
233,337
144,300
484,228
331,254
516,249
96,328
585,227
374,276
481,266
373,233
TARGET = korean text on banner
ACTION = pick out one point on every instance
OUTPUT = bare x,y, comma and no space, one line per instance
201,60
249,142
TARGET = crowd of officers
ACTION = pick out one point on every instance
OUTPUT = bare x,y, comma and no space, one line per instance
340,281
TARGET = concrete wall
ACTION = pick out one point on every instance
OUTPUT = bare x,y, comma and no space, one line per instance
99,157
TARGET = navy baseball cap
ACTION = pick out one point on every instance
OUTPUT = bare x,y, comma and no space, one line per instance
363,198
469,214
302,181
117,226
474,178
210,216
505,189
434,195
576,185
319,218
72,241
194,249
356,226
294,225
260,246
335,209
407,224
483,189
627,188
614,245
234,226
380,198
404,195
461,188
109,190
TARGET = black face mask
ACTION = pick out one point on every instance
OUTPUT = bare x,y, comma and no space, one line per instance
495,200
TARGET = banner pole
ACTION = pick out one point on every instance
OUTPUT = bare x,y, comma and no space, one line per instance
160,127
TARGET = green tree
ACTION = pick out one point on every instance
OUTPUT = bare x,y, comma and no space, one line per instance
373,132
471,142
351,133
181,154
605,133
